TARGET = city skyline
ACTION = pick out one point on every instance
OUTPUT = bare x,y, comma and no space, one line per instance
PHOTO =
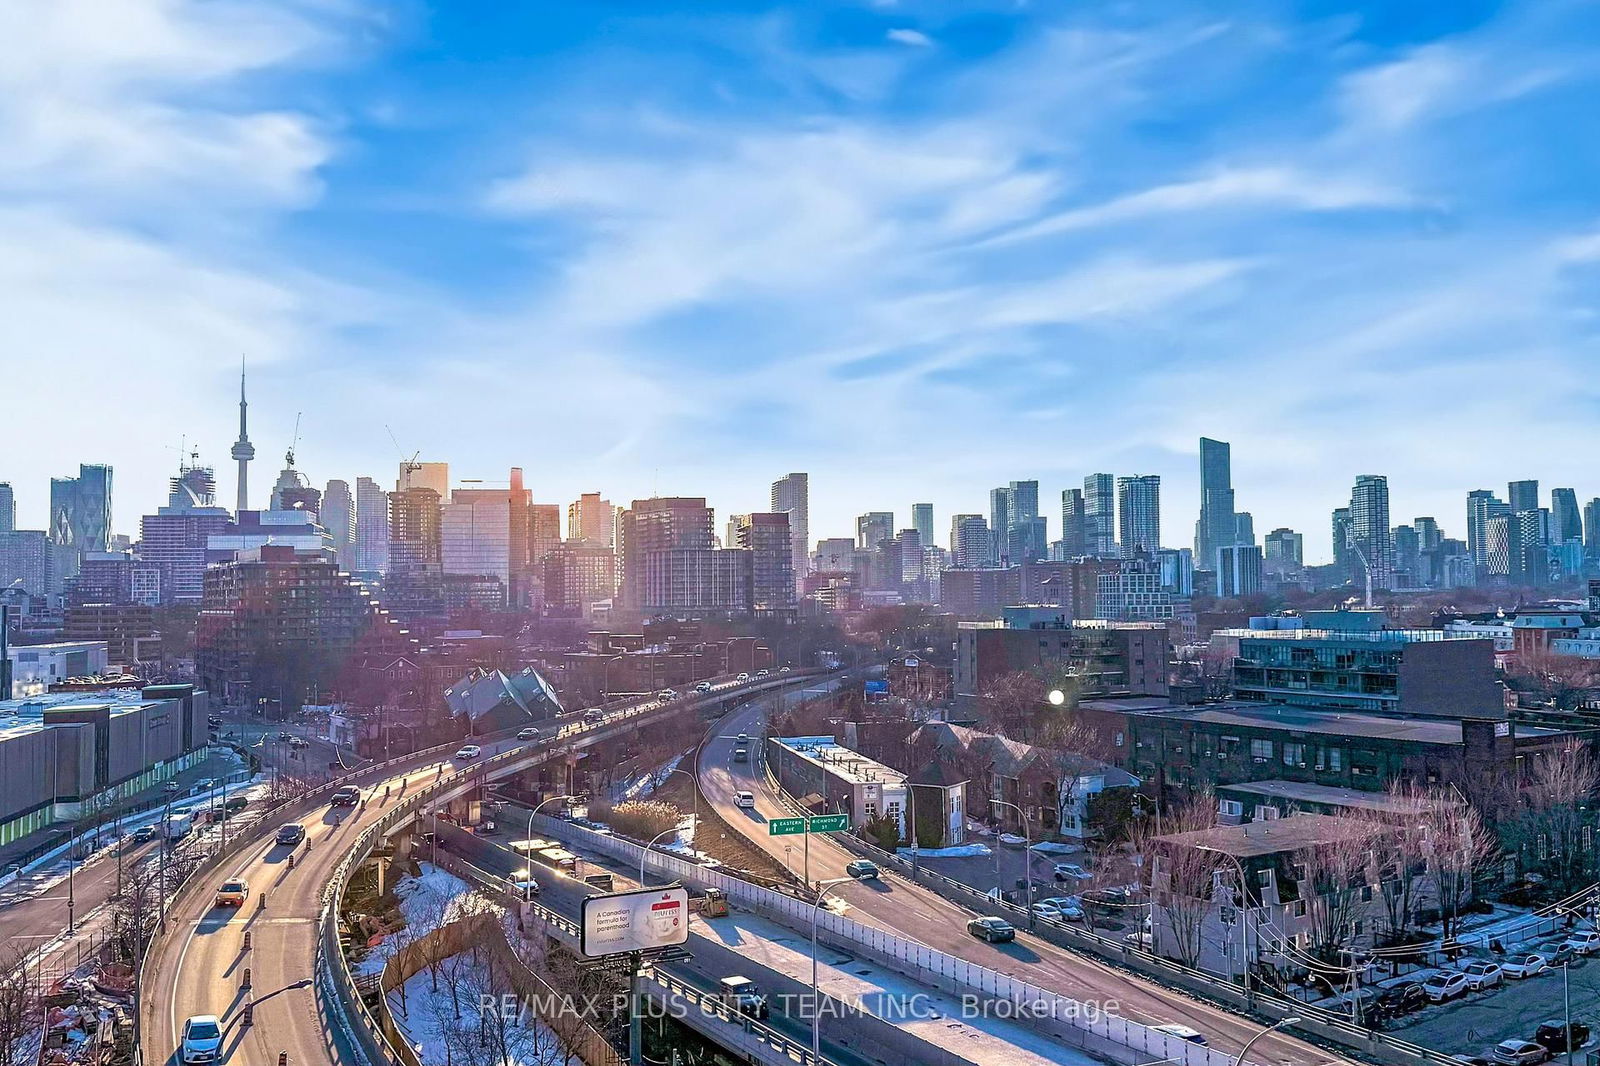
320,197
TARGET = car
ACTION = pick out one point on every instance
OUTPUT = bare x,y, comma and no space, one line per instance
1520,966
202,1039
1071,871
994,930
526,887
1049,911
1140,940
144,833
763,673
594,714
1183,1032
744,799
170,786
741,754
1584,942
862,869
666,695
232,893
1402,998
345,796
1069,907
285,735
213,721
1552,1036
1519,1053
704,686
468,751
1472,1060
1445,985
299,742
742,738
291,833
1481,975
530,732
783,669
744,996
742,677
236,803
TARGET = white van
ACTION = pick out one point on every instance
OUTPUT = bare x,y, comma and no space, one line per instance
744,799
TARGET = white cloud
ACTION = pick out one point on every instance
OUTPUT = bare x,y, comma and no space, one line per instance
915,38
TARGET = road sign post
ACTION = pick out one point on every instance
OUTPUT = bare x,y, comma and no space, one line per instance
780,827
829,823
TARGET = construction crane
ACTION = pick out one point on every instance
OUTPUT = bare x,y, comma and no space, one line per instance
407,466
1366,566
288,457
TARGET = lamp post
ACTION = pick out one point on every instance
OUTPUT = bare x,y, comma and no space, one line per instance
1244,931
816,992
694,784
1027,853
540,807
1280,1023
645,854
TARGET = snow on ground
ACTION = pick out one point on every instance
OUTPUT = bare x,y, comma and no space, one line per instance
433,898
642,785
446,1026
959,851
1011,840
1053,847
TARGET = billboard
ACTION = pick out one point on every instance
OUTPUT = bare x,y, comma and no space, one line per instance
641,920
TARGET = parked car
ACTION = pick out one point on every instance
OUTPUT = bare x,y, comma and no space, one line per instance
468,751
291,833
202,1039
1525,965
1481,975
1520,1053
1071,871
1552,1036
1069,907
862,869
1402,998
1584,941
994,930
1045,909
530,732
1140,940
1194,1036
1445,985
170,786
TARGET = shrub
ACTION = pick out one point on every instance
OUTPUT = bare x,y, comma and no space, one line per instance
642,819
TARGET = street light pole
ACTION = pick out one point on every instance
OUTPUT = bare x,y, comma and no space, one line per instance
694,784
645,854
1027,853
1280,1023
816,991
1244,929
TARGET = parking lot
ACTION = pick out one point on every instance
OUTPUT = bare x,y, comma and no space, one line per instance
1473,1024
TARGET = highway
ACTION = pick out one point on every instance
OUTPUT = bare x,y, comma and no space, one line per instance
197,968
896,904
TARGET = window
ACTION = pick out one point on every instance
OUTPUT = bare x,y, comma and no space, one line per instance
1266,878
1265,812
1335,759
1120,738
1233,808
1294,753
1298,908
1261,750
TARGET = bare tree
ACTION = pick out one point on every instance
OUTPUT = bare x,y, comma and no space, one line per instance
1563,680
1183,886
1012,705
1399,862
1550,820
1458,849
19,1006
1337,870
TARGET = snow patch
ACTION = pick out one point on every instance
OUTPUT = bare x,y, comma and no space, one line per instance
958,851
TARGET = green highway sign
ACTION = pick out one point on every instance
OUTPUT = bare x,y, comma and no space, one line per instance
781,827
830,823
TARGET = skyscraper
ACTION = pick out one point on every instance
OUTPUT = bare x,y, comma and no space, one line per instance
1074,534
1217,525
970,546
1566,524
174,539
338,516
922,522
1481,507
592,520
243,451
771,546
1244,528
8,508
1341,544
791,495
1238,570
80,517
372,527
1523,495
1139,513
1099,514
1370,538
873,528
413,586
1591,528
1285,551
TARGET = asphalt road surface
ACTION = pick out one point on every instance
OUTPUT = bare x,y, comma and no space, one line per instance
893,903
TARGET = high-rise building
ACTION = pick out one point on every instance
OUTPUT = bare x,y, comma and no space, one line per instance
175,539
1407,556
338,516
292,492
1000,524
544,531
577,575
435,476
8,508
873,528
971,543
836,555
922,522
1519,547
1238,570
767,539
1139,513
730,538
791,495
1429,537
1284,551
1341,544
652,530
25,560
1074,529
1591,528
592,520
1017,527
1482,505
243,451
1099,514
1523,495
1371,542
1131,591
475,531
80,509
372,527
1566,523
413,585
1218,525
913,581
1177,571
1244,528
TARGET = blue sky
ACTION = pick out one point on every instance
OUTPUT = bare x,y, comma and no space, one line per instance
917,249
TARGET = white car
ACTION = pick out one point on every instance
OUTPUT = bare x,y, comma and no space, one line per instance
744,799
1586,942
530,732
1044,909
468,751
1481,975
1445,985
1525,965
1519,1052
742,677
1183,1032
202,1039
1065,871
1069,907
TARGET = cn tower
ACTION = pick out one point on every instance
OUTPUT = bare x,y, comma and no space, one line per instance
243,450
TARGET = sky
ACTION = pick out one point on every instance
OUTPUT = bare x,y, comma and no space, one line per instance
917,249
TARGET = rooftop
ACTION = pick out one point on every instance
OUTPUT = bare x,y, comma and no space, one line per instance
1378,636
1270,837
1292,717
1305,792
840,761
21,716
